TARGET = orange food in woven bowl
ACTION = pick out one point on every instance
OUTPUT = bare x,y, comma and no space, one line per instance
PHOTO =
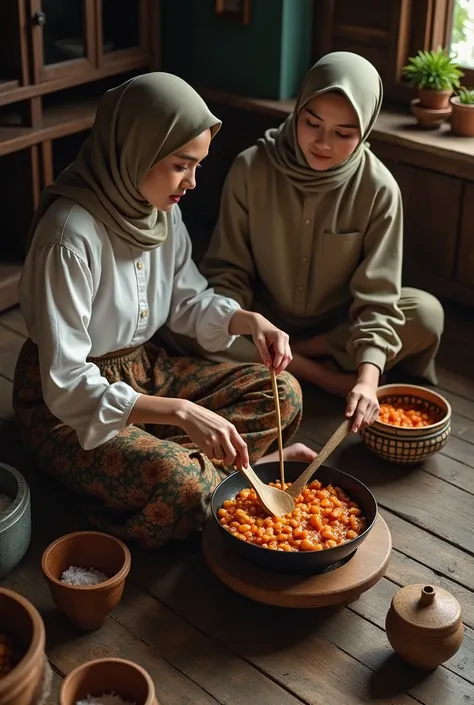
414,424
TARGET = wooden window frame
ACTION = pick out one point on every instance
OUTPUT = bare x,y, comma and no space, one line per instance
437,20
417,24
423,24
468,78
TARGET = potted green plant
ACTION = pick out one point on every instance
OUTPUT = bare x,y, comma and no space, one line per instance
462,117
435,74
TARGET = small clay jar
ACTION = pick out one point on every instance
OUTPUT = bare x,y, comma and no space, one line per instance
424,625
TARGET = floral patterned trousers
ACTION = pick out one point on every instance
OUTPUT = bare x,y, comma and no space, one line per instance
152,484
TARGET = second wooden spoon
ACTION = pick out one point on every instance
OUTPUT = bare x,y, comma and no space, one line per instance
273,500
344,429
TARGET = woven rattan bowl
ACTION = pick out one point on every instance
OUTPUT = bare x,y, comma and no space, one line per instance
408,446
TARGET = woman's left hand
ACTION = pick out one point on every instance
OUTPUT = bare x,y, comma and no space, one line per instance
362,405
273,344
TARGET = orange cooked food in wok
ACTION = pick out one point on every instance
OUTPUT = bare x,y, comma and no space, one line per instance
324,517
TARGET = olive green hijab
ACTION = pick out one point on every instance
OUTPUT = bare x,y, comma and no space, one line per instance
359,82
137,125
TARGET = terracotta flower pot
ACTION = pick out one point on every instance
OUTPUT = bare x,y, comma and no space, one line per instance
23,624
462,118
428,118
125,678
435,100
87,606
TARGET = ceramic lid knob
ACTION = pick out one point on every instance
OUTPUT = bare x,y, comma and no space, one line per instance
428,609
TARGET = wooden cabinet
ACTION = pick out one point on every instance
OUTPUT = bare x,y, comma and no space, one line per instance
56,60
14,69
87,35
20,179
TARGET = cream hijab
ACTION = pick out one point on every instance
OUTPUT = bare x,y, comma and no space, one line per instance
359,82
137,125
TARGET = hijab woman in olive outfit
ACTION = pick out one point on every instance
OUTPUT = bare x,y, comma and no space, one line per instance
310,234
143,438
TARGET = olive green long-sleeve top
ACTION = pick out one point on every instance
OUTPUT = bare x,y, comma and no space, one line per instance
309,260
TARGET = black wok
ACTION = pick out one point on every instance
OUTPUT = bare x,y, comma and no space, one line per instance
304,562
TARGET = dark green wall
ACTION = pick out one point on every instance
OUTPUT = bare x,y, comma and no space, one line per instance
267,58
297,45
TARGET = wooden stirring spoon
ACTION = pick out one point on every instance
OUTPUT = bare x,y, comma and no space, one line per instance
273,500
280,437
344,429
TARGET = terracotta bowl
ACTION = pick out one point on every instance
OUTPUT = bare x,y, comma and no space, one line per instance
462,119
429,118
409,446
23,624
87,606
125,678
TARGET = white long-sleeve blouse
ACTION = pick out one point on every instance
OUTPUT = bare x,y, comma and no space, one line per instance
86,292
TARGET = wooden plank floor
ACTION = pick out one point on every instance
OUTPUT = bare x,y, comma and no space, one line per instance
203,644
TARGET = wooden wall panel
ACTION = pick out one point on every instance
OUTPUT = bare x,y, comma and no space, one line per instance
431,202
465,263
370,13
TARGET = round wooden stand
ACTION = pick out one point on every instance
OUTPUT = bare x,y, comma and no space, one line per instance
340,586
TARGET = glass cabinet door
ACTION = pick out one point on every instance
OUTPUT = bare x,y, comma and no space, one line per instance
63,38
14,67
123,29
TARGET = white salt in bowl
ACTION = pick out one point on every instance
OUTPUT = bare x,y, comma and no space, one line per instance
86,605
15,518
104,677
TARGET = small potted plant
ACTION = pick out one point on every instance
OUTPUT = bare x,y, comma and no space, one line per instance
462,117
436,75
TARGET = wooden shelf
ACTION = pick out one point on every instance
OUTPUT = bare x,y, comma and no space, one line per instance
122,65
7,84
58,121
10,274
49,98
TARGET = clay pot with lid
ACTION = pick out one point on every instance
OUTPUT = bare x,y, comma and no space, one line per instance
424,625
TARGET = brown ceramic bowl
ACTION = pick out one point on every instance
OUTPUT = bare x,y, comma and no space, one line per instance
429,118
23,624
87,606
108,675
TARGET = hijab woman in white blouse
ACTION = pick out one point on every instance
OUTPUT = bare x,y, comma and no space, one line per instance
143,437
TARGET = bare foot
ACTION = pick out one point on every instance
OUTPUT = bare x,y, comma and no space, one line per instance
322,375
297,452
